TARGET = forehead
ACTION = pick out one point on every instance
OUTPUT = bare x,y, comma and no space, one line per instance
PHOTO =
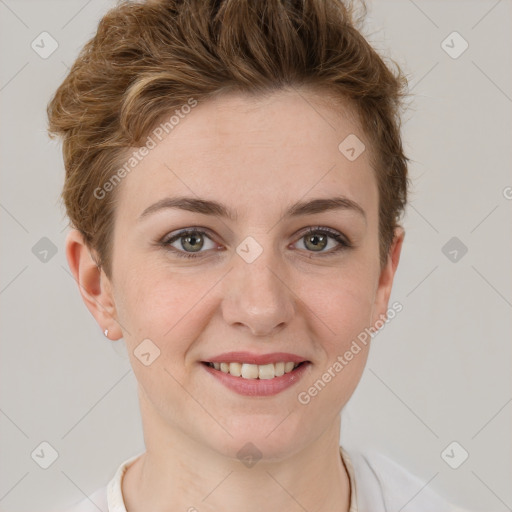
253,152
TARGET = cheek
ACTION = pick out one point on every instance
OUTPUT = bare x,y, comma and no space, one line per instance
164,310
344,309
343,303
162,306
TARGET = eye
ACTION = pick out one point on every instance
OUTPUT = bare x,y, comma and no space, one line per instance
316,239
190,239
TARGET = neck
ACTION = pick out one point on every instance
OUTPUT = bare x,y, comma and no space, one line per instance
177,473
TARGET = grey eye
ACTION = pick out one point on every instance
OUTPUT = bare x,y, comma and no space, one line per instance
315,241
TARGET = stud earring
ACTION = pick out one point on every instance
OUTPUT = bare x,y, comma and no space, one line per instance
105,332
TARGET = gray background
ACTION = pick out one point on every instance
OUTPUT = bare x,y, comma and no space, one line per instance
440,372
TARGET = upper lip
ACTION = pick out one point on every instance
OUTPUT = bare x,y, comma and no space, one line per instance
260,359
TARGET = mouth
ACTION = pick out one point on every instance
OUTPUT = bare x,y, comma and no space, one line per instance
253,380
255,371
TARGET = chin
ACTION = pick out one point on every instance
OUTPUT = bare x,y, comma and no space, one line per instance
260,438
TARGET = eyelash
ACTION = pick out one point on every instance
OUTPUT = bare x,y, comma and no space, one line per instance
344,243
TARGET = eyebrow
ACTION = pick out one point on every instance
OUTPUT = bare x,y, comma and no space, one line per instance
207,207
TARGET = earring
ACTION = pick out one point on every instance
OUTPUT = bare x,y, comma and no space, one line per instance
105,332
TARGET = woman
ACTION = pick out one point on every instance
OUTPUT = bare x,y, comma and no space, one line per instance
235,179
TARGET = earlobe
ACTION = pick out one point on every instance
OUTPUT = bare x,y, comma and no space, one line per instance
93,284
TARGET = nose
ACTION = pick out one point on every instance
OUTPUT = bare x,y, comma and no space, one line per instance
257,296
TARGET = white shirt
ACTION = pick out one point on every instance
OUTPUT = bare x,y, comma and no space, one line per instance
378,485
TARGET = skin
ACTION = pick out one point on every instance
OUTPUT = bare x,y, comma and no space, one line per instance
256,156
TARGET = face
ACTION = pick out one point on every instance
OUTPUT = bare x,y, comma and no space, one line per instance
268,279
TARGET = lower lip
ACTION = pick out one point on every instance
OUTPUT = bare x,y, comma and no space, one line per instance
258,387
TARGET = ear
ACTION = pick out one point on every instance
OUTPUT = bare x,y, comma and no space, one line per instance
380,306
94,285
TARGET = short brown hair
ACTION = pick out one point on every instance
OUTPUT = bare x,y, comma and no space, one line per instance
147,59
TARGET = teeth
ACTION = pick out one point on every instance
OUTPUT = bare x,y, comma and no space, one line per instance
255,371
249,371
278,369
288,367
235,369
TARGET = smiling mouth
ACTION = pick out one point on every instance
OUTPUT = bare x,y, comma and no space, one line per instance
256,371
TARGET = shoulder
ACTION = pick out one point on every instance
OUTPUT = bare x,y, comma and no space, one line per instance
382,485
